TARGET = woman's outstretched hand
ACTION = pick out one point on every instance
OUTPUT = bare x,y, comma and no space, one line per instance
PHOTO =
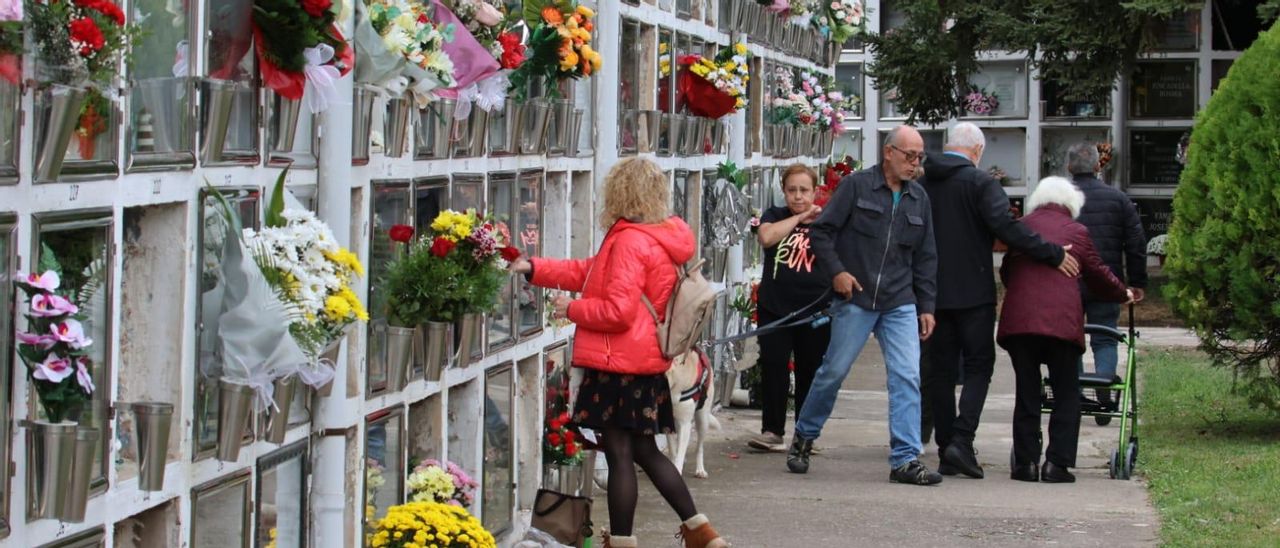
521,266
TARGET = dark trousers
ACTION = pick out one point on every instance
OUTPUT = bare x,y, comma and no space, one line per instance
1028,353
807,345
963,338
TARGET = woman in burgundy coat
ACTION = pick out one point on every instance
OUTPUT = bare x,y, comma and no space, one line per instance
1042,322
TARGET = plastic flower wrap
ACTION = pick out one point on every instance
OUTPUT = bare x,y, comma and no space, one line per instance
484,51
716,87
300,49
560,443
831,178
1156,246
406,29
55,347
445,483
300,257
999,175
80,42
559,45
978,101
423,524
11,40
455,268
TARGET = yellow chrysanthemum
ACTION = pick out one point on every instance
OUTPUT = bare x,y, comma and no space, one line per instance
740,48
586,12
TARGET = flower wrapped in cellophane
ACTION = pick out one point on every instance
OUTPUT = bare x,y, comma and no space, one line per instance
406,30
716,87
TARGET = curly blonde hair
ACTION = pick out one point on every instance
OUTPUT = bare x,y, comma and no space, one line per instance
636,190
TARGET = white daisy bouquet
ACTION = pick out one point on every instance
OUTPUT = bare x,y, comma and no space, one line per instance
406,29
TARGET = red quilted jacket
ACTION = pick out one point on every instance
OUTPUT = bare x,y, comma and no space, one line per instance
615,331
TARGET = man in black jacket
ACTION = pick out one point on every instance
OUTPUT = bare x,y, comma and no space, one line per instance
970,211
1116,231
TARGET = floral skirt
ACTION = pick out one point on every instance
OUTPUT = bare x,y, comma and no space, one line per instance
639,403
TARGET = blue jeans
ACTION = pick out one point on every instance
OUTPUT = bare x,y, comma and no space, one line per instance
1104,348
897,331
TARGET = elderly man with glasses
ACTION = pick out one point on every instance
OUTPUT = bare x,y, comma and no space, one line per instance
875,241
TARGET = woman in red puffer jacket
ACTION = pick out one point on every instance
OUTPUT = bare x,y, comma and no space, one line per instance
1042,322
624,395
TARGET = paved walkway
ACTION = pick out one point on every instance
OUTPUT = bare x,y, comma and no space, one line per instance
847,500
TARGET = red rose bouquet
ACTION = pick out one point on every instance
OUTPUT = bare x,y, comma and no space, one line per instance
831,179
713,88
79,42
300,47
561,443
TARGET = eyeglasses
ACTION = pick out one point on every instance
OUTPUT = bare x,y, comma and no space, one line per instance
911,155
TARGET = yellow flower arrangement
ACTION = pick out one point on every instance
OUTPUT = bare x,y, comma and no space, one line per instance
429,525
559,44
454,226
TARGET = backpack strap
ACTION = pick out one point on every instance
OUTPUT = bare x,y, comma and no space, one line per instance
680,274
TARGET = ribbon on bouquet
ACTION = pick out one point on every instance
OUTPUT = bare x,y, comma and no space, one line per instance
322,78
489,94
317,373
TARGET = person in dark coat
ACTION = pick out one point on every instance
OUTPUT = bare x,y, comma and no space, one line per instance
1116,231
970,211
1042,322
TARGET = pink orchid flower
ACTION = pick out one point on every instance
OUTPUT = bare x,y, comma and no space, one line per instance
44,342
83,375
48,281
53,369
71,332
45,305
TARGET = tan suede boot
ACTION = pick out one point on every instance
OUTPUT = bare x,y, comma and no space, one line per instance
697,533
612,541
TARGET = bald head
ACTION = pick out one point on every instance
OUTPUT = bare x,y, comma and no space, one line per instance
903,153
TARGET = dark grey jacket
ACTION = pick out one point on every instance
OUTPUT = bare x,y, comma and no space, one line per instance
1115,228
890,251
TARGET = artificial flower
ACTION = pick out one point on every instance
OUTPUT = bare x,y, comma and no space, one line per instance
10,10
512,50
487,15
86,34
48,281
401,233
316,8
552,15
509,253
71,332
441,246
47,305
83,374
53,369
42,342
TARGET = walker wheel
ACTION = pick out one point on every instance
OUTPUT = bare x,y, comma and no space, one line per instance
1130,457
1115,464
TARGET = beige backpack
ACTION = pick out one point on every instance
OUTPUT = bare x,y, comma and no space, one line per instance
688,309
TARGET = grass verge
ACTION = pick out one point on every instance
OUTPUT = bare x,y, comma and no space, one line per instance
1213,463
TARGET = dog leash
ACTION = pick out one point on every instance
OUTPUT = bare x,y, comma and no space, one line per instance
816,319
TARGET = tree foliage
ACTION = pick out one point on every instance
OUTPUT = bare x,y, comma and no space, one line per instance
1224,241
1082,45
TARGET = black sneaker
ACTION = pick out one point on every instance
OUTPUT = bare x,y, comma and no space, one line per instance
914,473
798,455
1052,473
961,455
946,469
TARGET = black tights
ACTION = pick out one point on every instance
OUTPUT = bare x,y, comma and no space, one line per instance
624,450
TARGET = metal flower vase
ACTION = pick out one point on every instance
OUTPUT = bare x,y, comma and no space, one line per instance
438,120
468,332
469,134
737,14
362,122
219,101
151,426
330,354
283,390
87,442
431,348
396,126
719,264
537,118
669,134
561,127
52,451
505,129
650,131
399,355
166,100
235,403
284,124
574,147
60,116
564,478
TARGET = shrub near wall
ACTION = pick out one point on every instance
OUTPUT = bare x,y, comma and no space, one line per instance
1224,242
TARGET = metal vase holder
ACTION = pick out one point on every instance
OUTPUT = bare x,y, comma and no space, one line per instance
397,126
737,14
561,127
431,342
468,331
399,354
235,403
650,131
720,139
537,118
52,451
60,116
362,122
87,443
564,478
469,135
151,425
330,353
435,125
719,264
165,99
219,101
669,134
283,391
285,122
505,129
574,147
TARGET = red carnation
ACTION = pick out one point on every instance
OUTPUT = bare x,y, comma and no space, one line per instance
512,50
424,19
441,246
509,253
401,233
87,34
316,8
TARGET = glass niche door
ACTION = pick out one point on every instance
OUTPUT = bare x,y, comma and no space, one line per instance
229,106
391,205
501,202
527,236
162,116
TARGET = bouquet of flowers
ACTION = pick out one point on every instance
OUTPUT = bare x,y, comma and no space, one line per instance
744,302
559,44
999,175
299,48
446,483
455,269
55,348
303,261
80,42
94,116
11,40
827,104
421,524
831,178
841,19
979,102
407,31
560,445
1104,155
715,87
1156,246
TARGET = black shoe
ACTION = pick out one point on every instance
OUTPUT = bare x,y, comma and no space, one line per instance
1052,473
1025,472
798,455
946,469
914,473
961,455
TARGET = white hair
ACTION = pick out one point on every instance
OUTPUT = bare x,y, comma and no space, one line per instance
965,135
1056,190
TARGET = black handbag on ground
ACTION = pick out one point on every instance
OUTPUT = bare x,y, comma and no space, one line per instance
565,517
